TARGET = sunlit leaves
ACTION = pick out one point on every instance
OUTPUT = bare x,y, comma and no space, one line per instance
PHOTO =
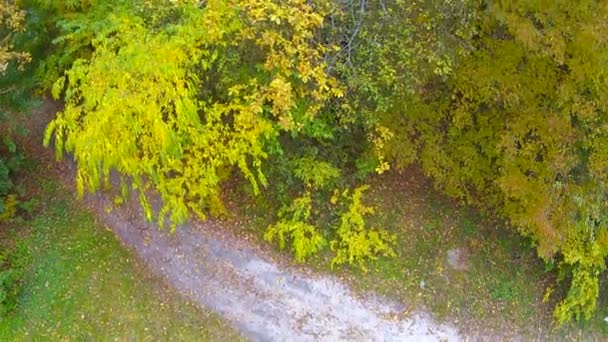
171,108
355,243
294,229
315,174
12,18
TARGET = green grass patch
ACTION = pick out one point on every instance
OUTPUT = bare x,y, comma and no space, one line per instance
79,283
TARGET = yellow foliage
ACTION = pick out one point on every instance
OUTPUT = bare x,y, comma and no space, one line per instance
10,207
356,243
294,228
171,108
11,20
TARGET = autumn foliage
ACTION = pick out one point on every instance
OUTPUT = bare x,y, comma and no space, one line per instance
519,129
501,103
12,19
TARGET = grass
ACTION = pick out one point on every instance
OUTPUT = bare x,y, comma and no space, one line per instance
500,280
499,292
79,283
504,282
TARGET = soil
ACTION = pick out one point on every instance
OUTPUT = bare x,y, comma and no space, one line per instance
457,259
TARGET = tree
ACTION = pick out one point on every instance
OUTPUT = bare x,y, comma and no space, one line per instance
500,102
178,96
11,21
520,129
174,107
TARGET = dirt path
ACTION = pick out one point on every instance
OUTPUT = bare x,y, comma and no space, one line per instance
266,301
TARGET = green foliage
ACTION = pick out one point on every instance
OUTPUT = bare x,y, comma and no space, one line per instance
12,266
519,129
7,166
355,243
390,49
12,17
582,296
293,228
172,107
9,279
315,173
11,160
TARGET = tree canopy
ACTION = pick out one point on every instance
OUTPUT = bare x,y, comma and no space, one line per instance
11,21
519,129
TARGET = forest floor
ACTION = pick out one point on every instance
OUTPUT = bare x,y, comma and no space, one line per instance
475,276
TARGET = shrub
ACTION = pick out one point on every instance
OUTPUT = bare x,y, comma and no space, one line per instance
12,267
293,229
12,19
355,243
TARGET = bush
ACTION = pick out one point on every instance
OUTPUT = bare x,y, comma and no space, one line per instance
293,228
12,267
355,243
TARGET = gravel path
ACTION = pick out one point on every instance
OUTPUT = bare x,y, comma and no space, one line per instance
265,300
